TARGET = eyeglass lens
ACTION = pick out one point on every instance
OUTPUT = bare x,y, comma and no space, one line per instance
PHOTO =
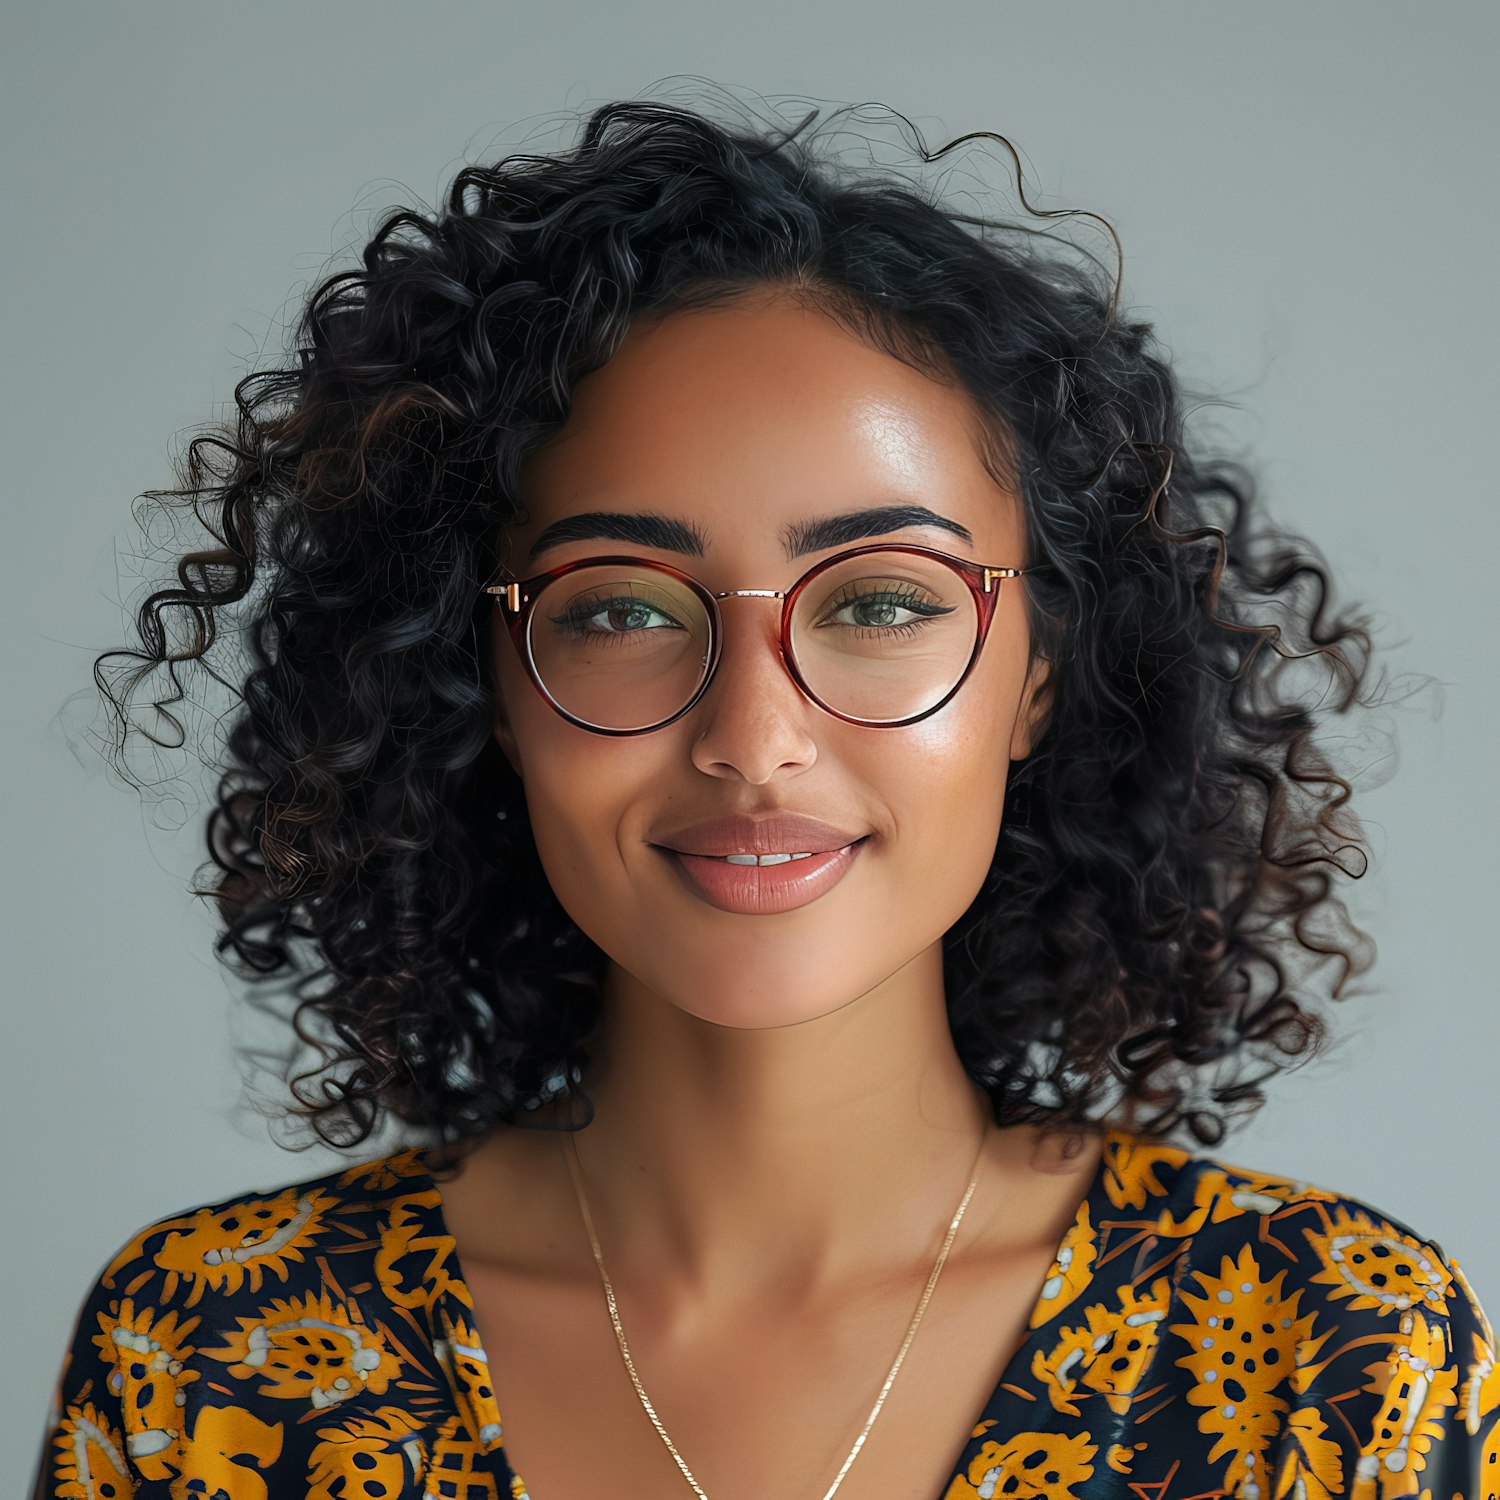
880,637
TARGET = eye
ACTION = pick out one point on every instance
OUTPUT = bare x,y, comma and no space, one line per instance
620,616
883,608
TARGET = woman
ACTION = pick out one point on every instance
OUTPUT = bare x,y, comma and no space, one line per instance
778,769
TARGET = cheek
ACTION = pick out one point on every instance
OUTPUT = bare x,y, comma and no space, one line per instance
577,798
576,785
945,779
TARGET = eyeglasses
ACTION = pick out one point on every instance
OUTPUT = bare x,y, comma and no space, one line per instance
881,635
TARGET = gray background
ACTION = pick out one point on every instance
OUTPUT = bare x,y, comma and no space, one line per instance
1306,198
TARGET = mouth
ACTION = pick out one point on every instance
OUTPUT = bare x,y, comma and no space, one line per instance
762,884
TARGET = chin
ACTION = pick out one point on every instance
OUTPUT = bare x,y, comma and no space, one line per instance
759,985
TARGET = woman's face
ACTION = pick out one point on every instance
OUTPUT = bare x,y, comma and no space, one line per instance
744,423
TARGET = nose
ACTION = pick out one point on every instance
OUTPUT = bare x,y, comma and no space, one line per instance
753,722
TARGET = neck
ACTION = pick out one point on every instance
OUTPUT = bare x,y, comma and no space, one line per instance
730,1164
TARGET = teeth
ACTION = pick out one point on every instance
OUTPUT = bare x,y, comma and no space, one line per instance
763,859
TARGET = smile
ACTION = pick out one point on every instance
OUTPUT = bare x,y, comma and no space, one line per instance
765,884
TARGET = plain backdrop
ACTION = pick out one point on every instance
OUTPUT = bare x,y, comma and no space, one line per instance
1306,198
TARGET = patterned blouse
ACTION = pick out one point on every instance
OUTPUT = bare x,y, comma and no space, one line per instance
1205,1330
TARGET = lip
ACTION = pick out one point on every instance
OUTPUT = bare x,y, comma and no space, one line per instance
763,890
773,833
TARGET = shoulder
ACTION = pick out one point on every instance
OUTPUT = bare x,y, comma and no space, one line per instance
1285,1302
1359,1250
235,1316
292,1234
1340,1254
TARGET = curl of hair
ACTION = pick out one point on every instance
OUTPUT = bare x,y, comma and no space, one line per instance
1172,840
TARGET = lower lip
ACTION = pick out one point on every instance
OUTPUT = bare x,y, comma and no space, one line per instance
762,890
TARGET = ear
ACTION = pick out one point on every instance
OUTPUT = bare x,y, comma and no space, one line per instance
1035,711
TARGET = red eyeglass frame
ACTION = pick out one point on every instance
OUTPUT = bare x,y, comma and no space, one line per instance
518,598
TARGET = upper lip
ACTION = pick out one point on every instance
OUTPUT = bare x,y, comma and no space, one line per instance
775,833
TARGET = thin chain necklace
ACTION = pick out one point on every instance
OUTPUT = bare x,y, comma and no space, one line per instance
575,1170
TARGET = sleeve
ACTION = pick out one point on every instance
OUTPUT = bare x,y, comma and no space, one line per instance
1393,1403
83,1449
1440,1422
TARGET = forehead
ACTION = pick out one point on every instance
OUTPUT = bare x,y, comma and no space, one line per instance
749,416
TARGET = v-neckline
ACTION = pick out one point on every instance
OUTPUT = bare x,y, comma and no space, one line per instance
486,1417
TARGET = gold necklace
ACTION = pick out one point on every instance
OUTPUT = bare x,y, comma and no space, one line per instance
575,1170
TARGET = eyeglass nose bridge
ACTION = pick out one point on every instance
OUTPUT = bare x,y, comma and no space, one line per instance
713,662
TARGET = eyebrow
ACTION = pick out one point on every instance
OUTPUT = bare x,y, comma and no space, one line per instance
672,535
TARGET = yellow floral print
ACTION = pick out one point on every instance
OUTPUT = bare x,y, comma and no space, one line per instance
1204,1331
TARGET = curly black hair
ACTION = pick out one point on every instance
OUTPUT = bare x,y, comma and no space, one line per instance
1167,860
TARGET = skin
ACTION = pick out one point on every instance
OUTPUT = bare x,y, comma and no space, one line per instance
781,1113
